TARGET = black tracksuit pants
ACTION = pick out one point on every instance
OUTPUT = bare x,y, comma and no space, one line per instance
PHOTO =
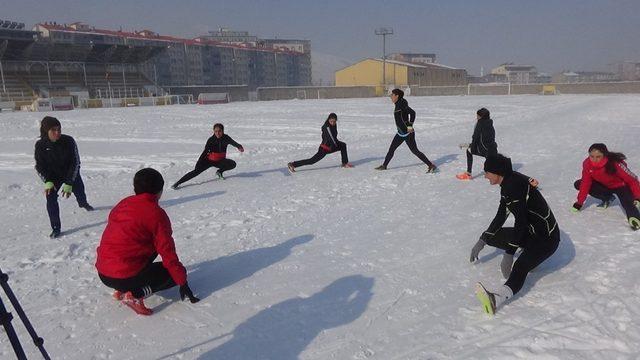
603,193
53,208
342,147
536,251
470,154
204,164
153,278
411,143
470,160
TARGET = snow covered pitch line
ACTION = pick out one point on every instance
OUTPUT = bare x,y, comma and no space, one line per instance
328,262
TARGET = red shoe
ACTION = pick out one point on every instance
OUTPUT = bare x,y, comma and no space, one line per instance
117,295
347,165
136,304
464,176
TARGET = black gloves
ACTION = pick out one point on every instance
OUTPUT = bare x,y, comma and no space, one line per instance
576,207
185,292
475,251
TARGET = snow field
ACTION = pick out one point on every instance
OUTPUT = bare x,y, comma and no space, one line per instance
328,262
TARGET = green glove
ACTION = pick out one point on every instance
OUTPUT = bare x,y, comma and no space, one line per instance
66,190
48,185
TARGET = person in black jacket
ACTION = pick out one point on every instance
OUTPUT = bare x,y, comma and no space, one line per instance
330,144
404,117
535,230
483,141
58,165
214,154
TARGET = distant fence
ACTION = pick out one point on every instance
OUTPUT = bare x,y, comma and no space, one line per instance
624,87
315,92
137,101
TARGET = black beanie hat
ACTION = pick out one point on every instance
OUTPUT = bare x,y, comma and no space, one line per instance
148,180
332,116
498,164
483,113
46,124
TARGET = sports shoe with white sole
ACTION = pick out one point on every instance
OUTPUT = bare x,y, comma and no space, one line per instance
487,299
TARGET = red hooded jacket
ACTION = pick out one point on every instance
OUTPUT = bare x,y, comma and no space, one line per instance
596,172
137,229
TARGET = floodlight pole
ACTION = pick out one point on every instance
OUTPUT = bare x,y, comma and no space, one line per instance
4,89
384,31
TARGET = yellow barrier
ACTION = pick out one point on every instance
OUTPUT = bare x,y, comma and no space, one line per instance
94,103
548,90
130,102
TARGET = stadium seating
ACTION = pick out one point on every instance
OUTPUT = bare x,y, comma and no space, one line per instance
16,89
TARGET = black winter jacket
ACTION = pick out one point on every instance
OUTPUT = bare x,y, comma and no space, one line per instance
58,162
217,146
534,219
329,137
483,141
404,116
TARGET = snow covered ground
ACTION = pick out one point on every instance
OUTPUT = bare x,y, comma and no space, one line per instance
327,263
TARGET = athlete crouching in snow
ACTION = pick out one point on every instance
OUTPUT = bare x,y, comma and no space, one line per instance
604,174
483,141
214,154
535,231
329,145
58,164
137,231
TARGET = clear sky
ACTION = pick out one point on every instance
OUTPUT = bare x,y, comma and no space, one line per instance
552,35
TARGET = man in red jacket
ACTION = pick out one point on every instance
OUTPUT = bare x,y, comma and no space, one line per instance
605,173
138,230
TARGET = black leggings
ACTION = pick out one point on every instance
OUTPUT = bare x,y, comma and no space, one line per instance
537,251
603,193
411,143
153,278
202,165
470,160
476,152
342,147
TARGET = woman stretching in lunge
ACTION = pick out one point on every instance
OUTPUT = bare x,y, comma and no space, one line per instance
214,154
330,144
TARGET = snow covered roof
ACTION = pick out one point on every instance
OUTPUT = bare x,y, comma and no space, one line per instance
153,36
424,66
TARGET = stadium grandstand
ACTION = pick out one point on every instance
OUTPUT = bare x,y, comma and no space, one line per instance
82,62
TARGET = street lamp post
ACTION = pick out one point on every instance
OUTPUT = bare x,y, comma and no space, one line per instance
384,31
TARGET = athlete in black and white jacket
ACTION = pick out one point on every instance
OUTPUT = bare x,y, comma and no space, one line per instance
535,230
404,117
330,144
